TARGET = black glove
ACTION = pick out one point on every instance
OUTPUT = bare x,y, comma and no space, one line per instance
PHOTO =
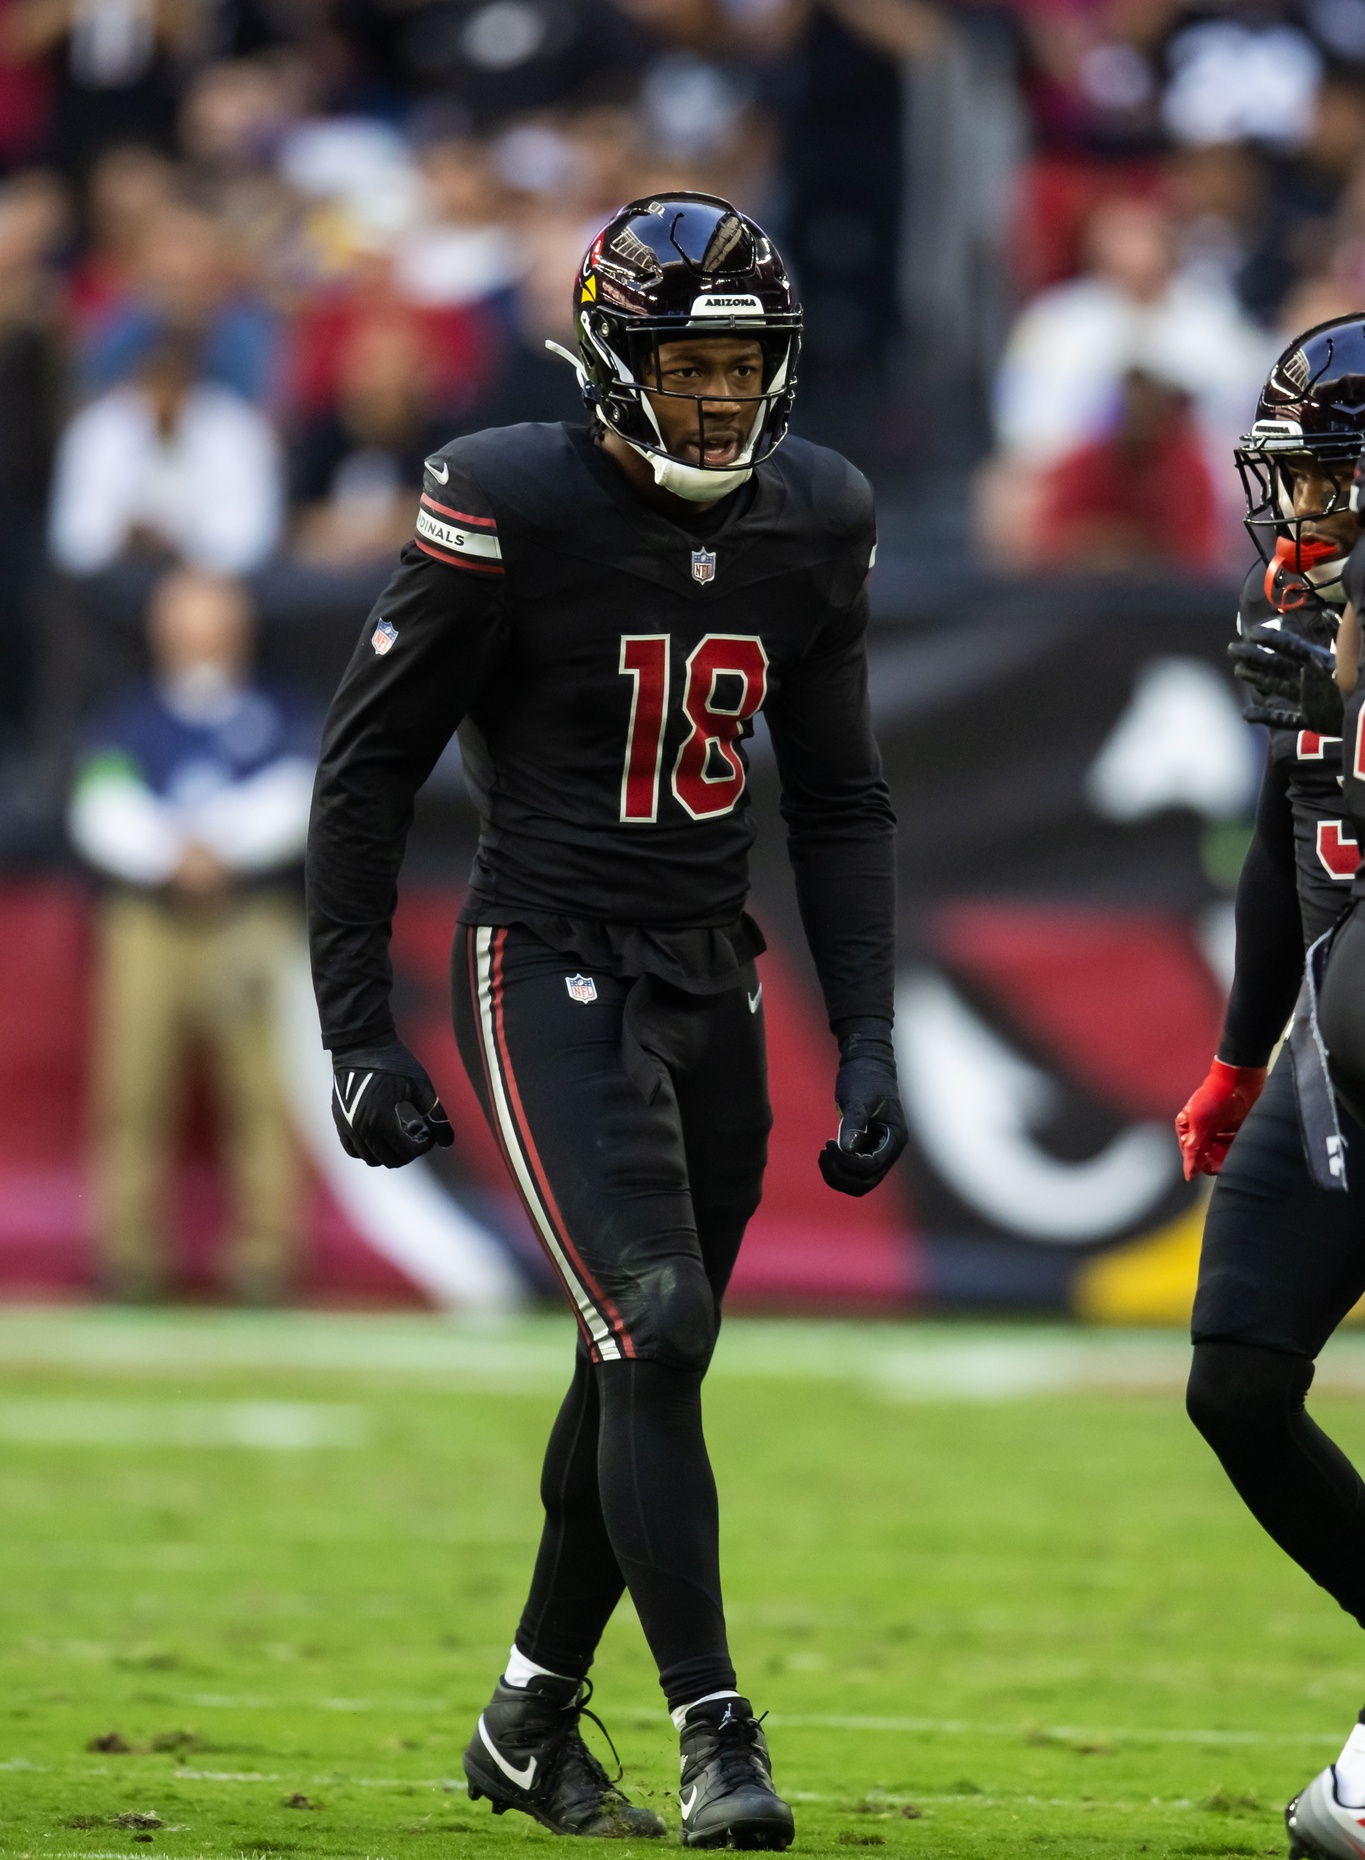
385,1107
872,1130
1292,680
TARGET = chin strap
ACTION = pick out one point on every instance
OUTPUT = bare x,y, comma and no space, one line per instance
670,474
689,481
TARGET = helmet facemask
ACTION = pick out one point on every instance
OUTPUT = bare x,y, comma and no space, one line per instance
1269,460
630,379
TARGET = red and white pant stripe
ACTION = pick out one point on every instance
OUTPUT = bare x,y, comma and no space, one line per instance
598,1316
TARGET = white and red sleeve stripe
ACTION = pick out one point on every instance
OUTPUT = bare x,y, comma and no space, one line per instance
458,538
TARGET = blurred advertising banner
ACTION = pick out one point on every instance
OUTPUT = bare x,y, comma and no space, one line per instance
1074,784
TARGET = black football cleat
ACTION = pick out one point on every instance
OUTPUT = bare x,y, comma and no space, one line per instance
727,1793
528,1753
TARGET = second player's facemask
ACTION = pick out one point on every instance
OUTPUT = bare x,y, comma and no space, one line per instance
1272,460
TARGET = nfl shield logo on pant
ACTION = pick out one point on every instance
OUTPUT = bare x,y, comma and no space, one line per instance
703,565
581,987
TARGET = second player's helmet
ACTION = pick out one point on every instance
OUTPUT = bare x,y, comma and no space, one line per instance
1311,414
684,265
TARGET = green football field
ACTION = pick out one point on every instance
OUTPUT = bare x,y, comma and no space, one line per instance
259,1574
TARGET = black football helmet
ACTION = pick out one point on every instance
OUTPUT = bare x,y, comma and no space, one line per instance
1311,411
675,265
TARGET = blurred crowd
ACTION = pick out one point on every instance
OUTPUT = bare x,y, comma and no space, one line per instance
258,256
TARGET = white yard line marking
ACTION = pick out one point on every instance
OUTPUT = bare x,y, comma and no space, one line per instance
896,1361
1064,1733
272,1426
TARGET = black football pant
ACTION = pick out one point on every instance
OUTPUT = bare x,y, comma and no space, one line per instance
634,1121
1282,1264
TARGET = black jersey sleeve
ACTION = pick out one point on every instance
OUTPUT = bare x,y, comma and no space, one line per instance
840,827
1352,763
426,649
1353,576
1269,964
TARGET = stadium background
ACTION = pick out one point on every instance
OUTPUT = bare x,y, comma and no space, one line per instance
258,1568
1045,248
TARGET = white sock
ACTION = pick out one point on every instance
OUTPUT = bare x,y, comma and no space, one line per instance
1351,1770
681,1711
520,1669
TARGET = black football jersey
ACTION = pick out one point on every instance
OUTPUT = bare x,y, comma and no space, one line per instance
1325,850
1353,725
604,667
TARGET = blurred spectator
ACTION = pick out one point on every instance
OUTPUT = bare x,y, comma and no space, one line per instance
237,115
1061,379
842,162
463,249
459,345
1139,498
1296,231
25,95
1255,76
114,69
192,798
532,382
1092,83
128,185
1071,347
1217,198
494,60
185,279
237,112
32,219
359,467
168,466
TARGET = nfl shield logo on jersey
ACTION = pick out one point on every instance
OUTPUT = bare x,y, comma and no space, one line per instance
581,987
703,565
383,637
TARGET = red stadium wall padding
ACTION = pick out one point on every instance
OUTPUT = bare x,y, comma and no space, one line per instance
806,1245
44,1198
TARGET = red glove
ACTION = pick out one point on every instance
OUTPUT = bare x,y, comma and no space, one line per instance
1214,1115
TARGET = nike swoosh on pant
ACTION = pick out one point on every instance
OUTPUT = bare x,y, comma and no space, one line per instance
522,1778
687,1807
755,998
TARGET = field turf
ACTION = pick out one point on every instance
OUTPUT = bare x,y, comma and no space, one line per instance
257,1575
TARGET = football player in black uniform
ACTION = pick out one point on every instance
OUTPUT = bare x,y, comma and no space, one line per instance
1284,1245
603,611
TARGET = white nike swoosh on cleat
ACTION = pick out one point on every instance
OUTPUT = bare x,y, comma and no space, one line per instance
687,1806
522,1778
441,475
755,998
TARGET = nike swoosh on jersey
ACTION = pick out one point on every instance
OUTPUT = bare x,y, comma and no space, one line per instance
522,1778
755,998
440,476
348,1111
688,1806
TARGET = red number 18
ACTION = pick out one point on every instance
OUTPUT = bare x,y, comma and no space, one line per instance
708,776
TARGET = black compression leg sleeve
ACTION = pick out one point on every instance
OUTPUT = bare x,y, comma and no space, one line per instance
577,1581
1248,1404
659,1502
